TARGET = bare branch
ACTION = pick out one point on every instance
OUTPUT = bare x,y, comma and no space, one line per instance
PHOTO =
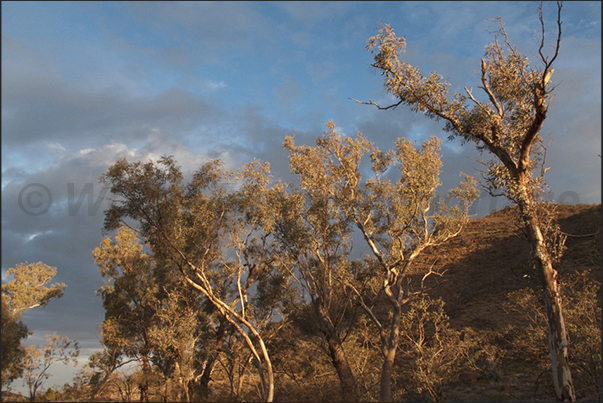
430,272
394,106
372,245
486,88
559,31
543,33
367,309
468,91
546,74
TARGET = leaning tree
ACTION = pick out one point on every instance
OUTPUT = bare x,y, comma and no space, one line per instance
506,122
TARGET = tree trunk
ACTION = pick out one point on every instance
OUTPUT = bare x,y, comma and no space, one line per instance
206,376
144,384
389,351
270,396
386,375
557,336
221,336
344,371
340,362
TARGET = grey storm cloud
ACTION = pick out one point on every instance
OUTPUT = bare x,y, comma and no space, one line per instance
48,110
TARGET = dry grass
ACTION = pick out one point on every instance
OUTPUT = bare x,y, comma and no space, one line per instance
487,270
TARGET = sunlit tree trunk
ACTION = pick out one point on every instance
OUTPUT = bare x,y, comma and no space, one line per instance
548,276
389,346
389,356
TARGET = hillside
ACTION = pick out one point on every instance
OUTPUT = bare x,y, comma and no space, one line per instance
487,271
491,299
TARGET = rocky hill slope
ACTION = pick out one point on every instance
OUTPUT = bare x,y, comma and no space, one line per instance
489,285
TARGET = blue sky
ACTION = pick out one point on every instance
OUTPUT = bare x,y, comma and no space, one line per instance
85,83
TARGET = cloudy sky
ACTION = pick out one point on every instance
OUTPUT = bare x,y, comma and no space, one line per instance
85,83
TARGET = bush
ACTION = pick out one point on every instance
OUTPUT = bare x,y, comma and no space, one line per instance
433,354
582,309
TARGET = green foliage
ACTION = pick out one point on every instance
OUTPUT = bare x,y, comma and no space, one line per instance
26,290
13,352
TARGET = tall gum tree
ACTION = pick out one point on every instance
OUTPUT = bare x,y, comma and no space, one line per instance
399,218
314,234
507,123
27,289
198,228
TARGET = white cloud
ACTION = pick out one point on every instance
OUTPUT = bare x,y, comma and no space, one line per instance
212,85
55,146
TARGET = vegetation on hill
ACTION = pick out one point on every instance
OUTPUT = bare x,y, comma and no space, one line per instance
460,343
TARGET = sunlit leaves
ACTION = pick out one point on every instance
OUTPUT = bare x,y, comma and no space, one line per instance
28,287
507,125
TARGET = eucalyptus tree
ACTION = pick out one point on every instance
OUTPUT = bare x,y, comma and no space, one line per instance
130,300
28,288
38,361
216,242
315,239
505,121
398,218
